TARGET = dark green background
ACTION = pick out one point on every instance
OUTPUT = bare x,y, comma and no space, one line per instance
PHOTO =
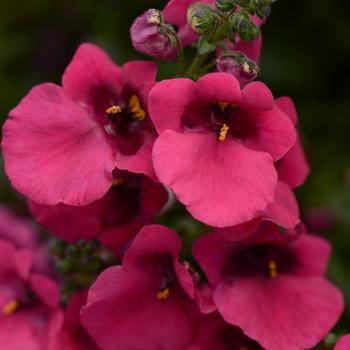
306,55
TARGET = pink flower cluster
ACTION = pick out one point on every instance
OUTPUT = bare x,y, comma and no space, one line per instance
98,159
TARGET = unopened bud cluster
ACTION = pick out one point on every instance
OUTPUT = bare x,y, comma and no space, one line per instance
79,263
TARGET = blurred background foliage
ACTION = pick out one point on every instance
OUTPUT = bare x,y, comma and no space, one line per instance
306,55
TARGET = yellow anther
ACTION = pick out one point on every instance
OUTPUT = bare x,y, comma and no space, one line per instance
223,105
10,307
154,17
244,347
117,181
113,110
163,294
223,132
135,108
246,67
272,269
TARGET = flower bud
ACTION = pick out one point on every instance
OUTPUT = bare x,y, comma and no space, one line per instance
225,5
240,66
243,3
239,22
203,20
251,33
263,12
151,36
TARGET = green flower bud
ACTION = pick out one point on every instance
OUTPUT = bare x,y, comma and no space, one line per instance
243,3
225,5
203,19
239,22
263,11
251,33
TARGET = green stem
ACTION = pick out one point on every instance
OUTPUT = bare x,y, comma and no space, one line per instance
181,57
196,64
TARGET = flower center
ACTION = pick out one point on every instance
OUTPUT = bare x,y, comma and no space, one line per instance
220,119
10,307
133,110
267,260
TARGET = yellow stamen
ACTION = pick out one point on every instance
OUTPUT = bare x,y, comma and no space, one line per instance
223,132
118,181
113,110
272,269
223,105
244,347
10,307
135,108
163,294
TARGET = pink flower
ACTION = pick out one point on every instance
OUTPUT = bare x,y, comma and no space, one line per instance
272,286
215,334
114,219
61,144
343,343
175,12
293,168
217,145
70,334
284,211
147,302
147,37
28,297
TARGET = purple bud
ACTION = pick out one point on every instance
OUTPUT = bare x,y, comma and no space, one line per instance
151,36
237,64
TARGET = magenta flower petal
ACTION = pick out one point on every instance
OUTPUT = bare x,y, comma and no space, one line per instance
152,239
343,343
16,333
117,239
314,264
90,75
212,252
46,289
266,310
20,232
167,102
284,211
286,105
293,168
140,161
54,151
68,333
220,87
215,334
230,184
274,132
67,222
241,231
23,260
257,95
